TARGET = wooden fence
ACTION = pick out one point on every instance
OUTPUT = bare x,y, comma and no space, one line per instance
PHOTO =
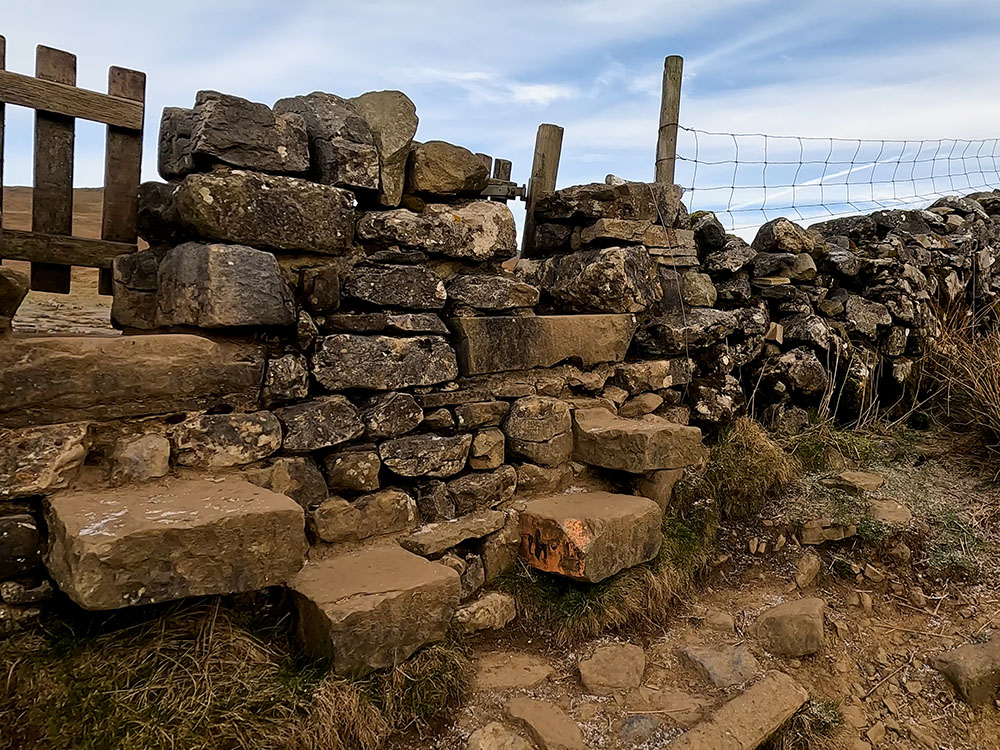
53,94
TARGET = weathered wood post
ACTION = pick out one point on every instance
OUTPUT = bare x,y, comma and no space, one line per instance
544,169
670,107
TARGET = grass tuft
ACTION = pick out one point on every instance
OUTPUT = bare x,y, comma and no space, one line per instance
201,676
815,446
746,469
810,729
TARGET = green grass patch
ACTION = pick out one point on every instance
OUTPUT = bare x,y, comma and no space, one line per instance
202,676
818,444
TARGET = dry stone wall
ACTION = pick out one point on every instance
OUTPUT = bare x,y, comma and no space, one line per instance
334,376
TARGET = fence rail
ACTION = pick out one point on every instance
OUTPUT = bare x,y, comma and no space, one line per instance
50,245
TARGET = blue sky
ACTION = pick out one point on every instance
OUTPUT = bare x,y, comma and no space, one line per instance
484,75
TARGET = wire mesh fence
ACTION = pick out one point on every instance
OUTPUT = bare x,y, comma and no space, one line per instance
750,178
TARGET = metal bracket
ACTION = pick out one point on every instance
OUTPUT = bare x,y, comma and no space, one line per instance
504,190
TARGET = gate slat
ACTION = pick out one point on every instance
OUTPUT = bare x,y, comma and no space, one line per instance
52,202
122,165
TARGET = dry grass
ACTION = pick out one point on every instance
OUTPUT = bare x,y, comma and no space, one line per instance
199,677
966,367
746,469
813,728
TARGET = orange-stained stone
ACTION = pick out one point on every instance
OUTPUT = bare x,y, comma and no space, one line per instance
589,536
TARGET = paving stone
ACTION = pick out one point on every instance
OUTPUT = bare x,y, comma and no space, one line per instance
634,445
857,482
320,422
372,608
353,470
491,611
426,455
382,363
549,726
171,539
613,669
589,536
141,459
510,670
749,719
387,512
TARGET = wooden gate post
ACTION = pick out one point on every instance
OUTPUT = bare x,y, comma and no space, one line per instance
670,107
52,199
544,170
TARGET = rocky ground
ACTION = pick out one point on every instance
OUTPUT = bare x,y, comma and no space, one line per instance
860,623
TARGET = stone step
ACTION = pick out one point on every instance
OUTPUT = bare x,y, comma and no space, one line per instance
371,608
47,380
634,445
172,539
589,536
749,719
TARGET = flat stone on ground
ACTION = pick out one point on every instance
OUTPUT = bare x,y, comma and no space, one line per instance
634,445
613,668
749,719
499,344
496,736
510,670
172,539
723,665
792,629
857,482
590,536
549,726
372,608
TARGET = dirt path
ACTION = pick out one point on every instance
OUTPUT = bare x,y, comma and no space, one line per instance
887,617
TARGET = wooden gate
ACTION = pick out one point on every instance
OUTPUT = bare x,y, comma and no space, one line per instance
53,94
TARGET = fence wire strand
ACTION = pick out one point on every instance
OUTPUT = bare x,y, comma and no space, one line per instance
750,178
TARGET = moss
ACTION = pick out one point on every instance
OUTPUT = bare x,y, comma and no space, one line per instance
815,446
194,676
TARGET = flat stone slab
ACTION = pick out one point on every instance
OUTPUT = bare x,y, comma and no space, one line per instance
172,539
749,719
590,536
510,670
549,726
634,445
372,608
613,669
53,379
499,344
435,538
723,665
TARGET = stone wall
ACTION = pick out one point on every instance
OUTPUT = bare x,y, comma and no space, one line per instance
330,353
